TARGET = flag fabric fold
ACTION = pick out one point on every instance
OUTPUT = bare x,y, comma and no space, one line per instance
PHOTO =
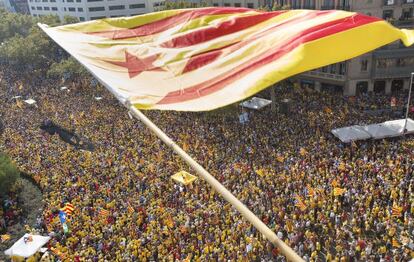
205,58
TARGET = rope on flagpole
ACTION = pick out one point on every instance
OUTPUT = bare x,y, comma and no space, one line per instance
217,186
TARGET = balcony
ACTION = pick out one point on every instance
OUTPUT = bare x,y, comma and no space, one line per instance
408,2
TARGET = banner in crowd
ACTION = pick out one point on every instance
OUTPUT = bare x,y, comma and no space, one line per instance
205,58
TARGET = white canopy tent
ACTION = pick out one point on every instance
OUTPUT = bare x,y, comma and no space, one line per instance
351,133
386,129
256,103
25,248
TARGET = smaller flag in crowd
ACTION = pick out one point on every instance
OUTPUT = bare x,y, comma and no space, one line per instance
130,209
395,243
103,212
339,191
280,159
5,237
62,216
311,191
335,183
58,253
396,211
303,151
68,209
299,202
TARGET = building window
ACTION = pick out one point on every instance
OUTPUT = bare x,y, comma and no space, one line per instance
215,4
95,0
96,9
237,4
387,14
33,8
80,9
250,5
46,8
116,7
135,6
405,61
407,13
44,1
81,18
72,9
69,1
364,65
342,68
64,8
53,1
389,2
78,1
39,8
54,8
226,4
385,63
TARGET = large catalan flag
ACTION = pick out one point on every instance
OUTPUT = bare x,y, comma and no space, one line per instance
202,59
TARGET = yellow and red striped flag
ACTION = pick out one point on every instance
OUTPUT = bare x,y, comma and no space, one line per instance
68,209
299,202
339,191
130,209
103,212
311,191
396,211
5,237
205,58
395,243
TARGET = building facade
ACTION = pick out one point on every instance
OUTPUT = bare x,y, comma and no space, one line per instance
86,10
17,6
384,70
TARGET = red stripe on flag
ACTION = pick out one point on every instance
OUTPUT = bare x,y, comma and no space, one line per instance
200,60
203,59
308,35
233,25
166,23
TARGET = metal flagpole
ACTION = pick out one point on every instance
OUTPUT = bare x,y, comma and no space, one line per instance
408,103
226,194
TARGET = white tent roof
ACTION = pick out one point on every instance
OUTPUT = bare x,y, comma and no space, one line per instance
256,103
392,128
22,249
351,133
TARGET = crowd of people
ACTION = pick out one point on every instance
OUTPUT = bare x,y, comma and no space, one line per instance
10,212
284,167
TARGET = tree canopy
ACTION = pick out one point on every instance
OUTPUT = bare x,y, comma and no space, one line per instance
25,47
8,173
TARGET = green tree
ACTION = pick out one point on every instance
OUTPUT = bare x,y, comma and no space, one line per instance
67,19
8,173
35,51
68,68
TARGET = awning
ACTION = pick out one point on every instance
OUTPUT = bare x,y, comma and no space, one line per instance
386,129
